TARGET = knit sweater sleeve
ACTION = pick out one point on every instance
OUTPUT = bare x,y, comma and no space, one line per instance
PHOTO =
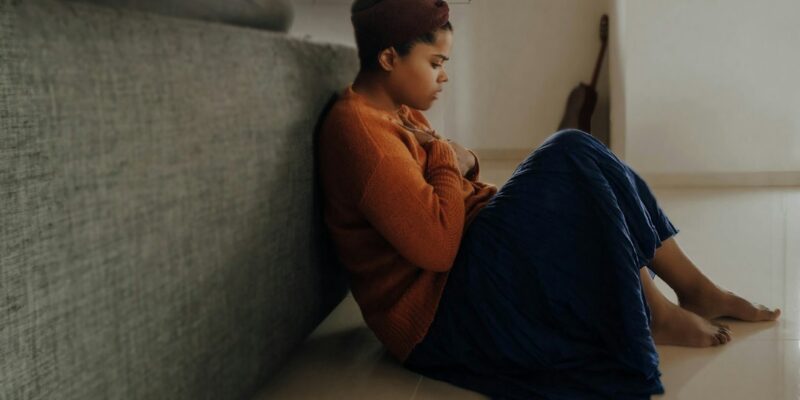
422,218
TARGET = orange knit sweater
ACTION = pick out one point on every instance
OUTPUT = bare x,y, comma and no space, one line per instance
396,212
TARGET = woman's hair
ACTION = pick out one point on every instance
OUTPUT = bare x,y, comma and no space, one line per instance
369,56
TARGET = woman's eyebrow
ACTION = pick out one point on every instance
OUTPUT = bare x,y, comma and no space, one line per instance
442,56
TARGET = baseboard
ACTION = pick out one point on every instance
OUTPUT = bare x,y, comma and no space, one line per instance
692,179
716,179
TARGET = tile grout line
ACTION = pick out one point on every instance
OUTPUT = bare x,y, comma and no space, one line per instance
785,210
414,394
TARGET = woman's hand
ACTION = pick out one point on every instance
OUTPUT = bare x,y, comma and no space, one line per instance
423,136
466,161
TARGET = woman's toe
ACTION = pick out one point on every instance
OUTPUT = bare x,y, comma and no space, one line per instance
765,314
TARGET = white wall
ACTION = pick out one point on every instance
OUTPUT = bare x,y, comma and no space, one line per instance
512,65
517,62
323,21
709,86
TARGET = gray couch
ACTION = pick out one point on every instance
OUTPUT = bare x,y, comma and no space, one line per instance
160,221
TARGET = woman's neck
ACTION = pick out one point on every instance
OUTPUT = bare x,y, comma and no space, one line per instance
371,88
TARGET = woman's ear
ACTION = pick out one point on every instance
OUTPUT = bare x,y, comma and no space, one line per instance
387,58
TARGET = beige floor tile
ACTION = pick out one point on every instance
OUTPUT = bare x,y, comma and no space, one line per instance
347,364
740,370
791,310
345,316
432,389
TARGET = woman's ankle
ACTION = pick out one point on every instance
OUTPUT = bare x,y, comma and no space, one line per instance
701,288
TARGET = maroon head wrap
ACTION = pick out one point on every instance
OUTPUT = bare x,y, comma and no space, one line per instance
392,22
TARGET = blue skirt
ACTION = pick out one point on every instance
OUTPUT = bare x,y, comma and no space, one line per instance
545,300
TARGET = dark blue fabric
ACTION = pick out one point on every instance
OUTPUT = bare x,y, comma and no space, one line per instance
545,300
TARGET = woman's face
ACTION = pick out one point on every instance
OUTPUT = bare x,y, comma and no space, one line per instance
417,77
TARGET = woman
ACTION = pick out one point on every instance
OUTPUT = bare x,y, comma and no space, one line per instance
536,290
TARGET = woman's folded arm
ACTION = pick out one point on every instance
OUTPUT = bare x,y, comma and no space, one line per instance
422,219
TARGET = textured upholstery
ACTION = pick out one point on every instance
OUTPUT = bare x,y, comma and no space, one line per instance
275,15
160,230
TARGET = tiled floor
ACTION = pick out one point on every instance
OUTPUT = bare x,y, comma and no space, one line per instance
745,239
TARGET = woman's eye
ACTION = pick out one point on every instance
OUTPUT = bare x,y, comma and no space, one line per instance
436,65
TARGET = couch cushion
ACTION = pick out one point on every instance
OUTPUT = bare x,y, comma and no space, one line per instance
160,230
275,15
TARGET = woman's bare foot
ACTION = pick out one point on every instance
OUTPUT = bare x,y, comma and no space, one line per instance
713,302
673,325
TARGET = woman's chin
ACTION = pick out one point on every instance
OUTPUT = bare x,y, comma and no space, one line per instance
423,105
427,105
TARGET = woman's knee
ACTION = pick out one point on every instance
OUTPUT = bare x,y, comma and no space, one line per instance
569,142
572,138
